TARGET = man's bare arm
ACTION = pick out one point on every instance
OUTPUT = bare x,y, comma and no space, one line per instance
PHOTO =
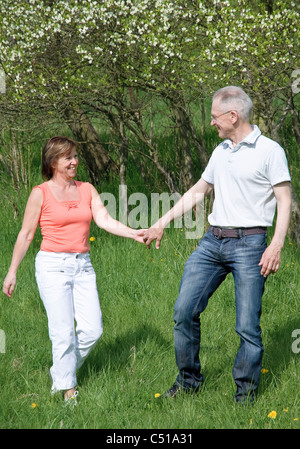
192,197
270,260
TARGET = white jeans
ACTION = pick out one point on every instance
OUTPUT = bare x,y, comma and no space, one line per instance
67,285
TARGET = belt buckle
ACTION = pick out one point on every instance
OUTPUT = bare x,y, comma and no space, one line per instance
219,233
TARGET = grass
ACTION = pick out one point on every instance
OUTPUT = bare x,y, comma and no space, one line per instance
134,360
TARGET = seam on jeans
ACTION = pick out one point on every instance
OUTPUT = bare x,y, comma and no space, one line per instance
196,306
201,296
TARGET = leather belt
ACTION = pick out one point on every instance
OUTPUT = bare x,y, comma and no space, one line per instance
236,233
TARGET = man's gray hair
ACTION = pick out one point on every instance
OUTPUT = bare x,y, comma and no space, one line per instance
236,98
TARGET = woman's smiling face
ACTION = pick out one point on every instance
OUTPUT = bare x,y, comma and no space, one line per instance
66,165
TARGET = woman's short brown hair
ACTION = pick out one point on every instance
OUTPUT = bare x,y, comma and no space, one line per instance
55,148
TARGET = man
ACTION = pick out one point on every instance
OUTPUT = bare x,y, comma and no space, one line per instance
249,175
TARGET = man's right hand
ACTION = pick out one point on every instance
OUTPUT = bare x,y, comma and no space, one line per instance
153,234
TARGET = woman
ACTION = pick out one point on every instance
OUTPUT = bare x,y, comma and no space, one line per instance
66,279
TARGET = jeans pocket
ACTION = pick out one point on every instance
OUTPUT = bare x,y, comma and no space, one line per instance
89,270
255,241
46,263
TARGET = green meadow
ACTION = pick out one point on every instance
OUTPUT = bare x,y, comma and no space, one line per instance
121,384
134,363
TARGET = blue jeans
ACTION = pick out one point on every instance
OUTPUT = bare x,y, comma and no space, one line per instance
204,271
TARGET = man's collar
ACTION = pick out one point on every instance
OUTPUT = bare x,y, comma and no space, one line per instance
253,136
250,139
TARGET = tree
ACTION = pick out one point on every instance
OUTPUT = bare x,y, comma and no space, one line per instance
120,65
61,56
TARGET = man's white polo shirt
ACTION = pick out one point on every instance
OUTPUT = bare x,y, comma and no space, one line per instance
243,177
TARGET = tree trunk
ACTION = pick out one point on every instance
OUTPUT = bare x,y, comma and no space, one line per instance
187,172
187,139
296,127
123,168
97,160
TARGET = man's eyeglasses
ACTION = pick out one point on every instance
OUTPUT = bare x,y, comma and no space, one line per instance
218,116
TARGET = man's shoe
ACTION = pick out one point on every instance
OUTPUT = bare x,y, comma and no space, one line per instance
176,389
173,391
244,399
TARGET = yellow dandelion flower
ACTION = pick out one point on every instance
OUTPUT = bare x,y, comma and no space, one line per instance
264,371
157,395
272,414
92,239
33,405
296,419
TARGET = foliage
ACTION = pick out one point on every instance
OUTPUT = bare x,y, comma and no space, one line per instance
121,74
54,50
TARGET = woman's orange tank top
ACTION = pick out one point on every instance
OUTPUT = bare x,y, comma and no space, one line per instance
65,226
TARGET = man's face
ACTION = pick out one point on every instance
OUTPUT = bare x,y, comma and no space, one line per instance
221,118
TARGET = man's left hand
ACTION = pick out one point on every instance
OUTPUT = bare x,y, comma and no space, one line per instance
270,260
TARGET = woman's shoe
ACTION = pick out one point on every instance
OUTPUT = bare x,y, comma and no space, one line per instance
72,400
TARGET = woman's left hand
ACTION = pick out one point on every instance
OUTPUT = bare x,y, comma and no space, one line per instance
139,235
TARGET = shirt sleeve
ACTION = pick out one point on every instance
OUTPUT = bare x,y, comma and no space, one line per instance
277,167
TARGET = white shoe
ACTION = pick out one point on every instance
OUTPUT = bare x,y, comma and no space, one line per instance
72,400
53,390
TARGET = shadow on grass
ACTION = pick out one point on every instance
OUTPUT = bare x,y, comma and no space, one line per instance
278,352
116,354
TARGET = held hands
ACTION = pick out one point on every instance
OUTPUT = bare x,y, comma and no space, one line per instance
139,235
153,234
148,235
